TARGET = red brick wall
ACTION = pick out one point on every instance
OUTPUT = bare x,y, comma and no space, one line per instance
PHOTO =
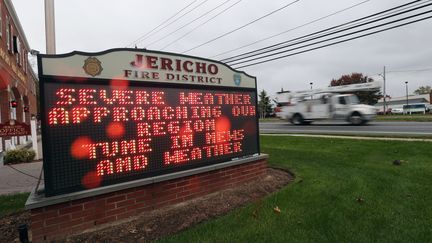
56,221
7,75
4,106
5,113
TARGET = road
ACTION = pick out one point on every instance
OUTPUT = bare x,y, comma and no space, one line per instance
406,129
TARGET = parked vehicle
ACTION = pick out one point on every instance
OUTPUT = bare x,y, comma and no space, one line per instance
305,107
397,111
415,108
380,111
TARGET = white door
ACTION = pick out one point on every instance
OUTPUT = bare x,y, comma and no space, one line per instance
341,107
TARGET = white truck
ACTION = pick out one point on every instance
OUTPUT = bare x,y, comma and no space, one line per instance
304,107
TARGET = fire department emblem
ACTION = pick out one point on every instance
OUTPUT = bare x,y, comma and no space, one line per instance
92,66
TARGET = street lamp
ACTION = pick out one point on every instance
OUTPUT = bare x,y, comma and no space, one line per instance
406,88
311,83
384,90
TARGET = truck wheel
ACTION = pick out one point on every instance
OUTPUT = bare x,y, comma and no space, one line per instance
356,119
297,119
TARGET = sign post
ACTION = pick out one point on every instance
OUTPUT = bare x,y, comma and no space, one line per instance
34,137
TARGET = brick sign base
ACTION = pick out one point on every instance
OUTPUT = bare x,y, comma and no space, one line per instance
59,220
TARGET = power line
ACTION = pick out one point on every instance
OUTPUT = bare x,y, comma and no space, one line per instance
405,71
338,42
190,22
162,23
243,26
319,37
289,30
410,71
333,38
336,29
175,20
319,32
181,37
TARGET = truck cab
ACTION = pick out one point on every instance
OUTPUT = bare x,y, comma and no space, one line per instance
327,106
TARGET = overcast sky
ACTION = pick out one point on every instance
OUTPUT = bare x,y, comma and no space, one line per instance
96,25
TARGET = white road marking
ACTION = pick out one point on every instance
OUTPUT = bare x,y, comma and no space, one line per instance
328,131
350,137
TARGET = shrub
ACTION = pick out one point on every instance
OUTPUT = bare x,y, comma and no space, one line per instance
31,154
15,156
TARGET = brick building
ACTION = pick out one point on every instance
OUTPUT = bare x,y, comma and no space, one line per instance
17,79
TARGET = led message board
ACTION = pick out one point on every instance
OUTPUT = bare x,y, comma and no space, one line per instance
125,114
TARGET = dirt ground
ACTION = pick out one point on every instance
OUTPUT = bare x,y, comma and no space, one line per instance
168,220
9,226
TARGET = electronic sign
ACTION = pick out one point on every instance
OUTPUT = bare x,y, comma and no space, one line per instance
127,114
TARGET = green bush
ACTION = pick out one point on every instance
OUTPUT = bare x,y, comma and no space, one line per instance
31,154
15,156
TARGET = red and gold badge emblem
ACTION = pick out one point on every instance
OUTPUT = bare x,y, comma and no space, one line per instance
92,66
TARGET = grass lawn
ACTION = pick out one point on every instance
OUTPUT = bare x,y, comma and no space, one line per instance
322,206
413,117
12,203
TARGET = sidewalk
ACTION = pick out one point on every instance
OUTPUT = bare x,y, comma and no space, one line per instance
20,177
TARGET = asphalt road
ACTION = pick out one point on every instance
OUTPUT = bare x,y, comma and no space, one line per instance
405,129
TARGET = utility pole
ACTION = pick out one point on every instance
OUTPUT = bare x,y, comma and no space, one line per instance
50,27
384,91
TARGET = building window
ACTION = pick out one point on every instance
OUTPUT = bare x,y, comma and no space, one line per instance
1,20
8,34
17,49
25,61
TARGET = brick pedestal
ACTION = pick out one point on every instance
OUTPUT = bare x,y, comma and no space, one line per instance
58,220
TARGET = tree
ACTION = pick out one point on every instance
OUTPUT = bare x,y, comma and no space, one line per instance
264,104
423,90
366,97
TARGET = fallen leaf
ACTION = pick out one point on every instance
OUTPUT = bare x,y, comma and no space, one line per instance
133,231
277,209
397,162
255,214
147,229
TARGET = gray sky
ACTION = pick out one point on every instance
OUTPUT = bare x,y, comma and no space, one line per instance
98,25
